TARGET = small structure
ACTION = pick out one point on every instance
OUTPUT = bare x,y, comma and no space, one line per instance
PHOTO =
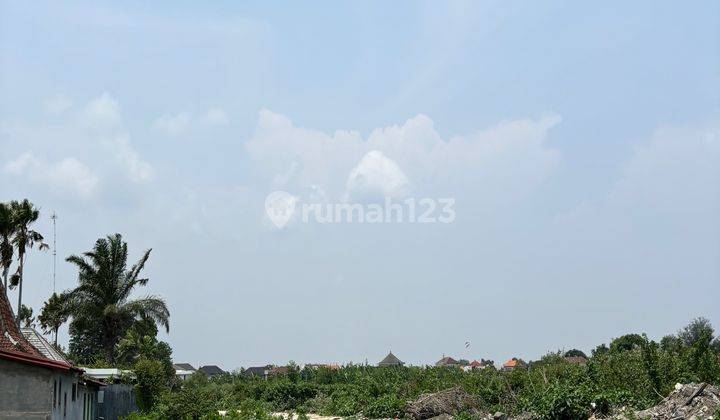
184,370
447,361
261,372
513,364
36,386
105,374
390,360
278,371
211,371
479,365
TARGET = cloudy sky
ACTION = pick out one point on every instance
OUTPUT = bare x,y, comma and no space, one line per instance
581,145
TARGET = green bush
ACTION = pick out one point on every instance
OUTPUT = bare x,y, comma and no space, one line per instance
386,406
151,383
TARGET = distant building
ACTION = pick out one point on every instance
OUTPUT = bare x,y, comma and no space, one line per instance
390,360
261,372
331,366
447,362
513,364
211,371
35,385
479,365
184,370
278,371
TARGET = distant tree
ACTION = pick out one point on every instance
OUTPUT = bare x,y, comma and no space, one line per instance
696,330
54,314
627,342
575,353
24,214
600,350
25,316
101,307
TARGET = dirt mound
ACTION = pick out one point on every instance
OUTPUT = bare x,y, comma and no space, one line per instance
699,401
448,402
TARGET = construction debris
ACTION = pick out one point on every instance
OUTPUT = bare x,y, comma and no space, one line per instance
690,401
448,402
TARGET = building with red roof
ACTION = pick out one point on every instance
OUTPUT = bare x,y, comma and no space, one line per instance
35,386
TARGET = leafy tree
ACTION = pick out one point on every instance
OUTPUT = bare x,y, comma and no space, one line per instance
696,330
627,342
150,382
575,353
24,214
101,307
25,316
135,346
54,313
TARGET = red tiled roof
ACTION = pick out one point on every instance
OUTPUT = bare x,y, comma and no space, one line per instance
14,346
512,362
11,339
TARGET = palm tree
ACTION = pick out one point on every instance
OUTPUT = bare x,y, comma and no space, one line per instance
102,298
24,214
7,229
54,313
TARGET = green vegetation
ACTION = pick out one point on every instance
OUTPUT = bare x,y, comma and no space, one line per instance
633,372
16,238
54,314
100,306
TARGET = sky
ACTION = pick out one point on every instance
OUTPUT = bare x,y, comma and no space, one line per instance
579,142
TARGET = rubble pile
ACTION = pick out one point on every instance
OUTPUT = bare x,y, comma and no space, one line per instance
689,401
443,403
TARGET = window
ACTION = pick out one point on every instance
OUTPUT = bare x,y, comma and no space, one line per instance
74,391
55,393
65,404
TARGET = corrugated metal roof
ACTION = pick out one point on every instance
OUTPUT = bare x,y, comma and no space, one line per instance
40,343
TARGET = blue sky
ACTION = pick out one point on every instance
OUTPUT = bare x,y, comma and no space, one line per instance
581,143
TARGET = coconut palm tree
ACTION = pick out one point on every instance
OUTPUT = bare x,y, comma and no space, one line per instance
54,313
7,229
102,299
24,214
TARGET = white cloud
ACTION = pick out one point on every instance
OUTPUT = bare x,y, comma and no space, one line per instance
102,112
376,176
215,116
137,170
508,158
173,124
68,174
180,123
57,104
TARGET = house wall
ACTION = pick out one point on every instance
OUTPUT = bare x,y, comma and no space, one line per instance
33,392
25,391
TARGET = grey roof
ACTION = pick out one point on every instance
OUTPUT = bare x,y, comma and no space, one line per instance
211,370
390,360
184,366
256,371
40,343
447,361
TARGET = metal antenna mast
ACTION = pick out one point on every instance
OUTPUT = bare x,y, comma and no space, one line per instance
54,218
